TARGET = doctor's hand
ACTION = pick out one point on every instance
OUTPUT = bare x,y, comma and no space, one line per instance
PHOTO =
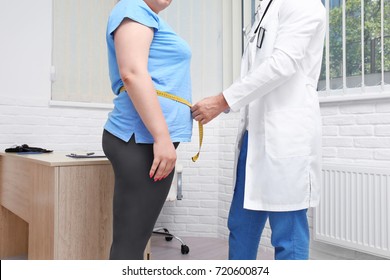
210,107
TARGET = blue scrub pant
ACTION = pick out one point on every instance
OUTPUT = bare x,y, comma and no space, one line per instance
290,230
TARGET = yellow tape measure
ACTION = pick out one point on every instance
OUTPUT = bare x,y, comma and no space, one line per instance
185,102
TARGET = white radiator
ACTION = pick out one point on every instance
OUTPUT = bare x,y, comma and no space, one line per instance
354,211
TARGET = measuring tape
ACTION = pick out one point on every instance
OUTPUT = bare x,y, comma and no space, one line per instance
185,102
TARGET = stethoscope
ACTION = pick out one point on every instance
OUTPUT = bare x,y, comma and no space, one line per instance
259,30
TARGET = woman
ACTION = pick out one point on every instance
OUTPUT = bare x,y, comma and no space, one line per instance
143,130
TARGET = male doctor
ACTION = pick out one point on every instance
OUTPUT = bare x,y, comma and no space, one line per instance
278,156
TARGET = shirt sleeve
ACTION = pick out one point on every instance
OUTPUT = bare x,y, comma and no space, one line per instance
136,10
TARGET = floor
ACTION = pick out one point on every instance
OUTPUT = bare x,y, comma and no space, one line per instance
200,248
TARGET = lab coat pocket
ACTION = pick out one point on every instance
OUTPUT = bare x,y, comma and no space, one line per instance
268,37
288,133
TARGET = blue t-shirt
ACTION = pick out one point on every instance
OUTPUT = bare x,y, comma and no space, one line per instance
169,68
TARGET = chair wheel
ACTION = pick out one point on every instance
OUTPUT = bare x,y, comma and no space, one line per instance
168,238
184,249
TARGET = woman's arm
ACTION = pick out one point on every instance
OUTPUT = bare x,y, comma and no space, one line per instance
132,44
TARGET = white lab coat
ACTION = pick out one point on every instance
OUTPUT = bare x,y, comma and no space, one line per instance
279,106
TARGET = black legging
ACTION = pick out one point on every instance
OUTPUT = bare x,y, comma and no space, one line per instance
138,200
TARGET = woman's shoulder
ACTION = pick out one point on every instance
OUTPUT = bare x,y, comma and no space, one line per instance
134,7
136,10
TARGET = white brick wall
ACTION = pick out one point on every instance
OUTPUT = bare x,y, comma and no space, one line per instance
356,134
356,131
61,129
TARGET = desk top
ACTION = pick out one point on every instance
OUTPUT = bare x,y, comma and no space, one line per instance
56,159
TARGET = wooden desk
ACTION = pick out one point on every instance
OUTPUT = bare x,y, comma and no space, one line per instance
55,207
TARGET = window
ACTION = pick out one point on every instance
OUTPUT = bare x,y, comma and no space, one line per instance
79,53
357,49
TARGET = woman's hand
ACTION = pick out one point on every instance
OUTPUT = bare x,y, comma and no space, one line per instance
164,159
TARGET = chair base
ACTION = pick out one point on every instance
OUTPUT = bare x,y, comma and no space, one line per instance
168,237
